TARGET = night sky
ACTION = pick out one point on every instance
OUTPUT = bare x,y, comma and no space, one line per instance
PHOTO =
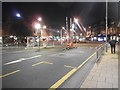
54,13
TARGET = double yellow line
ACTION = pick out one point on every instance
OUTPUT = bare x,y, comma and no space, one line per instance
59,82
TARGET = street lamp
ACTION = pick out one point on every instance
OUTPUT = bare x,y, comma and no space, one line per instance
39,19
63,28
37,27
75,20
18,15
58,31
44,27
73,36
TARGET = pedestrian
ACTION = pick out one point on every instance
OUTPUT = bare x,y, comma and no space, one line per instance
113,45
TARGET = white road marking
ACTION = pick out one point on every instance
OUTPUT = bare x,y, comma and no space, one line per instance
43,62
5,51
69,66
11,52
32,57
16,61
22,59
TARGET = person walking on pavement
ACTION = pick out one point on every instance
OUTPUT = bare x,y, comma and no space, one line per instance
113,45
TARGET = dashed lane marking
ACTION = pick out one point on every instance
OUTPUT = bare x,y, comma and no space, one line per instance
43,62
47,62
37,64
69,66
9,73
22,59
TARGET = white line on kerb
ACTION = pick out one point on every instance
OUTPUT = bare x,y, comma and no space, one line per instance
22,59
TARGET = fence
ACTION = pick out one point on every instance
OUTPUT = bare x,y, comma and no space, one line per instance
100,50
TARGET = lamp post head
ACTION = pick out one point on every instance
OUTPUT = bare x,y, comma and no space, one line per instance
37,26
75,20
44,27
18,15
63,27
39,19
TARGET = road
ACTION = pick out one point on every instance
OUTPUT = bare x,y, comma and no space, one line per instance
31,69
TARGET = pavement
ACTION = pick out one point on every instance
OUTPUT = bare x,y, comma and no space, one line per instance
104,73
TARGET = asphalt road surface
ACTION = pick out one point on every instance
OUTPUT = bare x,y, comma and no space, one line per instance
44,69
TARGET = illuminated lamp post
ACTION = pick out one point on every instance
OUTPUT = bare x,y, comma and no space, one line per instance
63,28
37,27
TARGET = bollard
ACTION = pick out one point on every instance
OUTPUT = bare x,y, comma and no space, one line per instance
97,52
106,47
53,44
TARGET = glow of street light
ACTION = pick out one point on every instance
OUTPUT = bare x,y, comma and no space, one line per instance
75,20
37,26
39,19
89,27
18,15
63,27
44,27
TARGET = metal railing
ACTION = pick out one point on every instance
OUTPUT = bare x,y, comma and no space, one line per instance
100,50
